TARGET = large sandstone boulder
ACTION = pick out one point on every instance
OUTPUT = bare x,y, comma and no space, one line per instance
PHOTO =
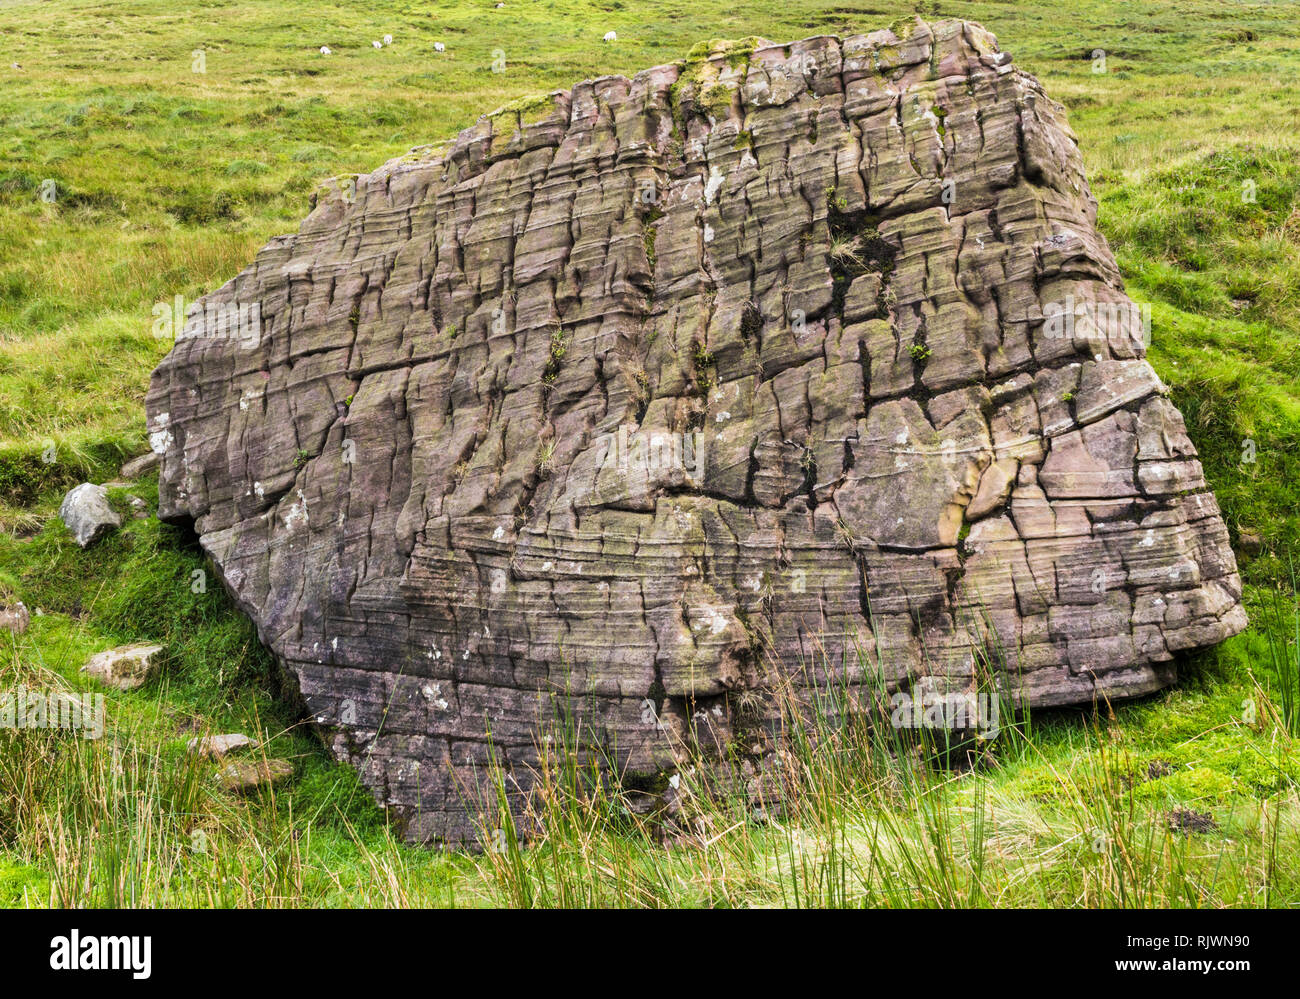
799,361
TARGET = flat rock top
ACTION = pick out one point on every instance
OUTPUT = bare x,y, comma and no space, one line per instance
646,395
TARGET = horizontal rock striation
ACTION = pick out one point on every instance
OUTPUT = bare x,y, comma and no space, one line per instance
783,362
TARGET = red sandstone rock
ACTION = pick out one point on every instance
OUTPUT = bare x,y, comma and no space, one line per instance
698,379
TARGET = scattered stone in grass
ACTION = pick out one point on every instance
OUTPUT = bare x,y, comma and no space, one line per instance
242,777
1250,542
126,667
218,746
136,467
87,513
1185,820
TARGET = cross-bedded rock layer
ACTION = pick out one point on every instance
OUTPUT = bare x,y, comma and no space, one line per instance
731,370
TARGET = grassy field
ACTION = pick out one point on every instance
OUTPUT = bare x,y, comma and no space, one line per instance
147,152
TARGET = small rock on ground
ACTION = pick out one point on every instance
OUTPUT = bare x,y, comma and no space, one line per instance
219,745
249,776
126,667
138,466
87,513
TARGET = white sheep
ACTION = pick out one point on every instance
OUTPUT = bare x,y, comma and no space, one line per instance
611,36
388,39
378,45
325,50
439,47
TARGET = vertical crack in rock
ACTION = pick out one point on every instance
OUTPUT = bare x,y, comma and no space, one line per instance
695,381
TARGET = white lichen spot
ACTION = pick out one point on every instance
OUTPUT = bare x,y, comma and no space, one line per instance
160,438
724,415
297,513
708,233
713,186
433,694
499,533
716,621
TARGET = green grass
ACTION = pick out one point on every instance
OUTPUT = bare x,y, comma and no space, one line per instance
167,181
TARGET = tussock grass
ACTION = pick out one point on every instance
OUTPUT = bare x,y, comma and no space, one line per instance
864,820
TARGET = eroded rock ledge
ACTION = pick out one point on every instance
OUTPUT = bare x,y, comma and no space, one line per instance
697,379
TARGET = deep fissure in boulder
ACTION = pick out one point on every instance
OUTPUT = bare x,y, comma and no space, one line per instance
701,382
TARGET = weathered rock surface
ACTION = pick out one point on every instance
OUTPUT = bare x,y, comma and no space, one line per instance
87,513
126,667
699,379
